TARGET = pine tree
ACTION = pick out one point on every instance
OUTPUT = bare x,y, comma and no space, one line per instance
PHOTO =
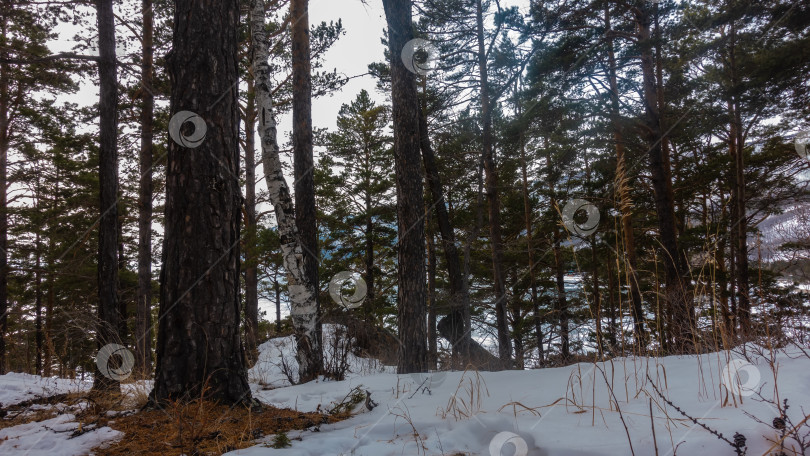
410,199
108,304
199,352
143,317
360,149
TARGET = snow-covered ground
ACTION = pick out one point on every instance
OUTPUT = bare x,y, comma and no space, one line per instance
18,387
560,411
59,436
584,409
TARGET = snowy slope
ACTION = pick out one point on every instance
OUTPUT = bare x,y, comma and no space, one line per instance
561,411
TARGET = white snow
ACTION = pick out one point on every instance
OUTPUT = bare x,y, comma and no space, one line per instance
560,411
17,387
557,411
53,437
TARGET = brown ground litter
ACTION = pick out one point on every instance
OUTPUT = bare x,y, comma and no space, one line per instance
202,428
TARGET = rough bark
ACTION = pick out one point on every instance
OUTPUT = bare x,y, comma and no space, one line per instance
305,211
410,201
302,292
123,307
143,311
4,146
199,352
38,294
493,198
108,308
370,305
251,266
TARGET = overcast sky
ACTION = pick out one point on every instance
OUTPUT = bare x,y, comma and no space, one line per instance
352,53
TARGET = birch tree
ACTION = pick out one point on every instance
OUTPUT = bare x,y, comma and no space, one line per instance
302,292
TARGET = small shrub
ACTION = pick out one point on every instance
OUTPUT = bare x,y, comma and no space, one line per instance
281,440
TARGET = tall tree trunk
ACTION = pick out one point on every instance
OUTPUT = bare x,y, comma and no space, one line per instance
504,342
49,348
123,308
369,275
305,212
517,332
277,290
108,309
527,218
431,289
4,146
410,201
623,189
38,286
597,299
743,280
143,309
611,308
733,226
678,300
251,265
455,325
199,351
727,325
562,302
740,220
302,291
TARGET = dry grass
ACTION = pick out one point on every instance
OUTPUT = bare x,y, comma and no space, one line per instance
467,401
190,428
203,428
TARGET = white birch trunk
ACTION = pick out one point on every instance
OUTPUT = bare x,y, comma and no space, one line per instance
302,293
